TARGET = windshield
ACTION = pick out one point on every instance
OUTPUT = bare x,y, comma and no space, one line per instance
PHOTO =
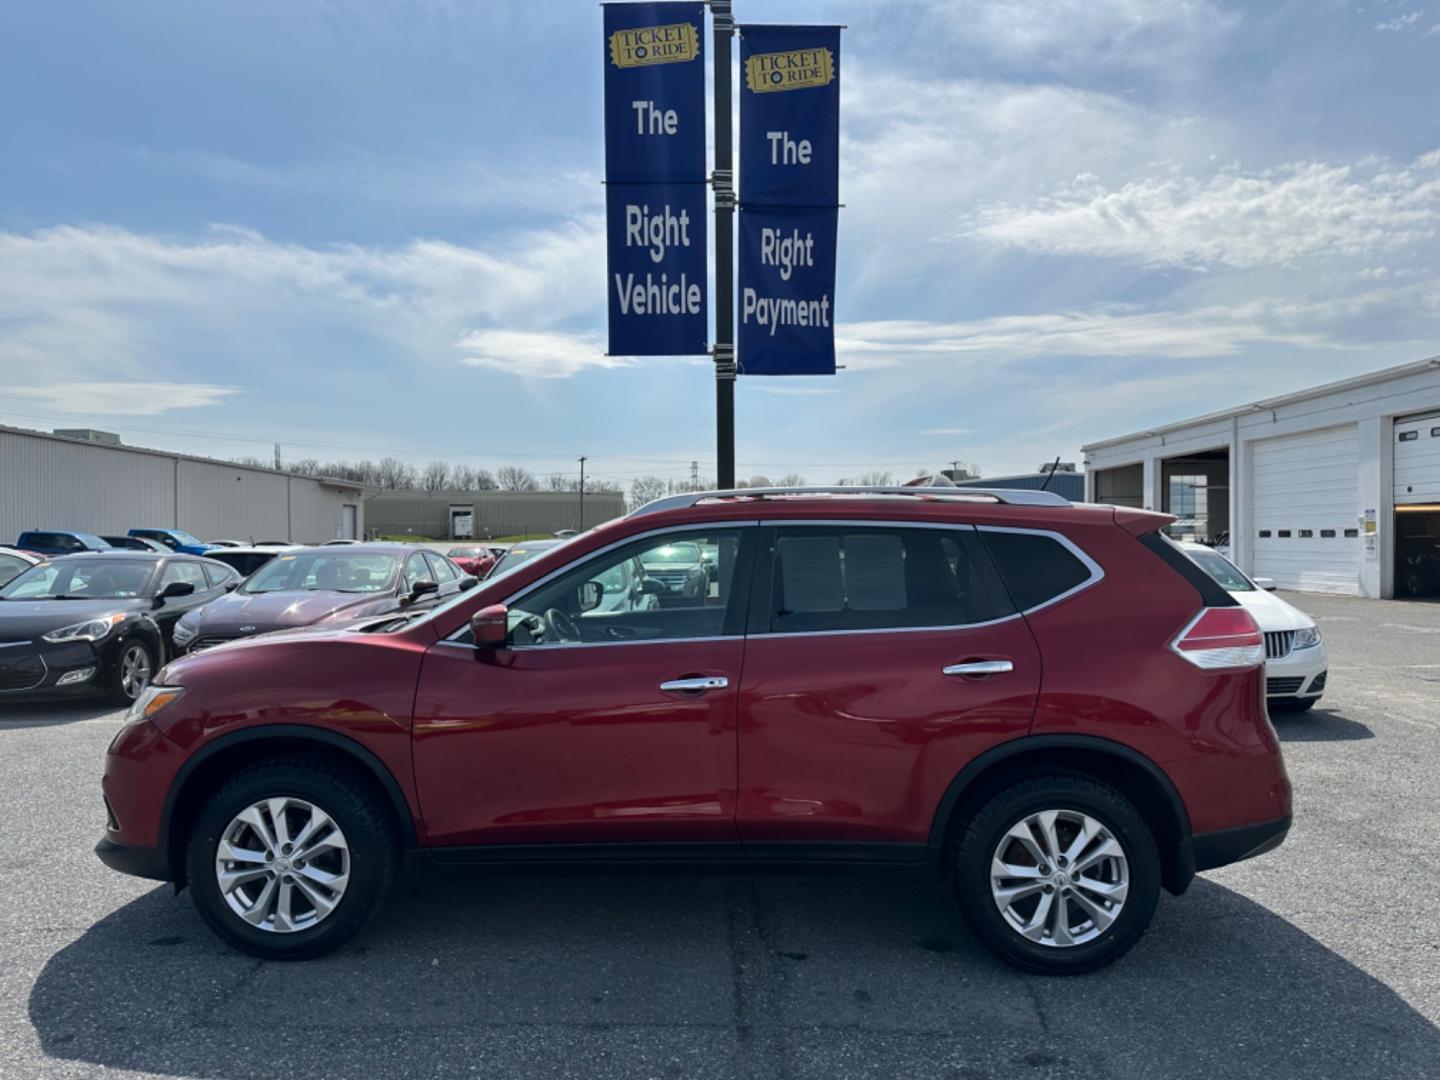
466,552
336,570
672,554
90,579
184,537
1222,570
244,563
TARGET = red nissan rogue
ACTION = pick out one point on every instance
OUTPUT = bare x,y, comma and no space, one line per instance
1048,707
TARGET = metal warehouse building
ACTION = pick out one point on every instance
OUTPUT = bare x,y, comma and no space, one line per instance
87,482
462,515
1333,489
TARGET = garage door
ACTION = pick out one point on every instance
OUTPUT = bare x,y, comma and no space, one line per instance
1304,503
1417,459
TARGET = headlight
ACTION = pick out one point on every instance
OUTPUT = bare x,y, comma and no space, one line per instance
89,630
152,702
184,633
1306,638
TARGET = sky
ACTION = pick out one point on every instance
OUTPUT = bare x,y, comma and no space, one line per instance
375,228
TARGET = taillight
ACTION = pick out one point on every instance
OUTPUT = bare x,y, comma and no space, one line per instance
1221,638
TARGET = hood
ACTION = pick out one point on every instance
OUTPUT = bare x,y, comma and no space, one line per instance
1271,612
256,613
21,620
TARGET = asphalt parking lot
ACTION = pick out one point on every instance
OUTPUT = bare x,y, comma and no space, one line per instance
1319,960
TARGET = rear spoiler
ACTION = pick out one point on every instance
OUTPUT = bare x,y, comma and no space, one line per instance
1140,522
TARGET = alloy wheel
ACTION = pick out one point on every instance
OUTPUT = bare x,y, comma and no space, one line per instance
134,671
1059,877
282,865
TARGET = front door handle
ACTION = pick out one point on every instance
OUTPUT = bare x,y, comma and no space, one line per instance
979,669
696,685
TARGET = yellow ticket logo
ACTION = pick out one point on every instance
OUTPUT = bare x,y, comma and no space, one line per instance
645,45
797,69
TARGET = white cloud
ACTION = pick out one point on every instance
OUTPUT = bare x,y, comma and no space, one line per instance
1160,36
82,303
1281,216
948,431
122,398
1401,22
537,354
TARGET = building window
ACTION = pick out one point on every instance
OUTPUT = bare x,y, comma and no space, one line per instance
1435,432
1284,534
1189,501
1304,533
1327,534
1351,534
1409,436
1264,534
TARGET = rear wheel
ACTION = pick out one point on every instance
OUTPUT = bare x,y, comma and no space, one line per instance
290,859
1057,874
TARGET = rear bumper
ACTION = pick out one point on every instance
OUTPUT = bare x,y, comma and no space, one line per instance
1225,846
145,862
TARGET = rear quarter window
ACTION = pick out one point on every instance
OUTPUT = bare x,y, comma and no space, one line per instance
1035,567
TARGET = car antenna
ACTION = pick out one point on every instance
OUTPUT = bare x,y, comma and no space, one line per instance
1051,473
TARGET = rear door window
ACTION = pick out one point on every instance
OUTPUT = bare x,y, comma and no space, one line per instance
860,577
1037,567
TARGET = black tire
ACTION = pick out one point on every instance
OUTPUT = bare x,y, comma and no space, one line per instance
988,825
1293,705
370,840
117,690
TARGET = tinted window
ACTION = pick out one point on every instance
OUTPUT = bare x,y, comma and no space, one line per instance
1036,568
188,572
244,563
85,579
861,578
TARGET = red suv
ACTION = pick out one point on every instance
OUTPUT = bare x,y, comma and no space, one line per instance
1047,706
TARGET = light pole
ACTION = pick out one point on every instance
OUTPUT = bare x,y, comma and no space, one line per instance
582,492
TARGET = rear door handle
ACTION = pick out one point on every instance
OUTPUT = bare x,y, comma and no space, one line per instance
979,669
696,685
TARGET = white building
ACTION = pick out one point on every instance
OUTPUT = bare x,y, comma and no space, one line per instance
1333,489
96,485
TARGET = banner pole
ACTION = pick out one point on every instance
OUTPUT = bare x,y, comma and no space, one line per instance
722,180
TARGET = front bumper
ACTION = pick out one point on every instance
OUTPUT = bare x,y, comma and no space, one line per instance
132,859
1226,846
1300,674
35,668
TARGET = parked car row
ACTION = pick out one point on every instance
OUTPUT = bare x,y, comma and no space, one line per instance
105,621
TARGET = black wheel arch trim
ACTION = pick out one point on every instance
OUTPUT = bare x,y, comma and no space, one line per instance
1184,868
304,732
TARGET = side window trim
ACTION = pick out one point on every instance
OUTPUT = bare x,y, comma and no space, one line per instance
1097,574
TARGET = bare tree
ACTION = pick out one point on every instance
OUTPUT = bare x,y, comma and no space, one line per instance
515,478
791,480
436,476
876,479
395,475
560,482
644,489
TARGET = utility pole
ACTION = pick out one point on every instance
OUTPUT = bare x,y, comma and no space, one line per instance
583,459
722,181
694,476
277,457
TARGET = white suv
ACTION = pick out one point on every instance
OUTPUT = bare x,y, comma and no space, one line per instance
1295,660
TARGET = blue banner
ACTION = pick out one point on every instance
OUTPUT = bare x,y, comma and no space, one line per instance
655,196
657,279
787,287
654,93
789,115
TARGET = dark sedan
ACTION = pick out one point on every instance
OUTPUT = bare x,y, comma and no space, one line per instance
303,586
99,622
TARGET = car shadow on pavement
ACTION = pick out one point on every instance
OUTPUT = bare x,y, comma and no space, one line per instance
1319,725
680,976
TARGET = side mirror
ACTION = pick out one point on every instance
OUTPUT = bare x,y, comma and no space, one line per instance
650,587
467,583
423,587
1268,584
231,586
174,589
490,627
590,595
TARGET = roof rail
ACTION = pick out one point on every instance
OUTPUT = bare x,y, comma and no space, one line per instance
1009,496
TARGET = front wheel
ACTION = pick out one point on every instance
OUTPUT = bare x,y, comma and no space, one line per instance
290,859
133,669
1057,874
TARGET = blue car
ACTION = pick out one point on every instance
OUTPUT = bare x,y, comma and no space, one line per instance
59,542
175,539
